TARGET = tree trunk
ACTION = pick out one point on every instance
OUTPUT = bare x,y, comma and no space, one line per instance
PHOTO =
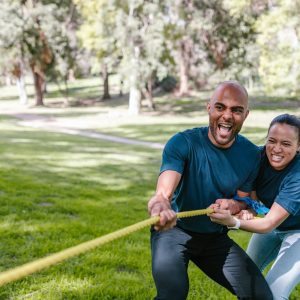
18,73
121,88
22,90
135,95
105,76
135,98
184,63
8,80
148,92
38,86
44,87
66,98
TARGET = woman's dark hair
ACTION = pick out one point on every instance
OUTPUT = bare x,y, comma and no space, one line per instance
288,119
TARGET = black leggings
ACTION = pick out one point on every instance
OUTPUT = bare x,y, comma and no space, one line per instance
215,254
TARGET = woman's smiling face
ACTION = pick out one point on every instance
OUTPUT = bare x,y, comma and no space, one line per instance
282,145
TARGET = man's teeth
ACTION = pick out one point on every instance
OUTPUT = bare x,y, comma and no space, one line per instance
225,127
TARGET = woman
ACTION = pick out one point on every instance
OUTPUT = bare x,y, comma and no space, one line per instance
278,187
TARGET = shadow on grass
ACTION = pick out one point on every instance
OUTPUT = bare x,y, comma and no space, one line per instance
94,188
163,132
266,102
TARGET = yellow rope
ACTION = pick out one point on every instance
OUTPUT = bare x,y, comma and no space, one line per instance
42,263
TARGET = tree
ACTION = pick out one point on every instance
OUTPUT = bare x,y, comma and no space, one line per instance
36,30
12,64
97,34
150,38
279,43
139,32
206,38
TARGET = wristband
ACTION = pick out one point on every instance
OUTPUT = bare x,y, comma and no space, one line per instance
237,224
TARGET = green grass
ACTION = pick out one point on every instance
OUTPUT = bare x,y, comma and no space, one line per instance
57,191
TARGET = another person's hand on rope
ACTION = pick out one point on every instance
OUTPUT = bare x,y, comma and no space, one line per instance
246,214
224,217
221,216
160,206
232,205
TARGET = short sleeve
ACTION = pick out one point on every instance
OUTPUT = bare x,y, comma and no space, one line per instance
175,154
289,194
248,185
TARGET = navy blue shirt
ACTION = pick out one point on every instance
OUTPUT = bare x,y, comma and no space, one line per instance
208,173
281,186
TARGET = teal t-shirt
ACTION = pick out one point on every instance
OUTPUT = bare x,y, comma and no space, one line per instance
283,187
208,173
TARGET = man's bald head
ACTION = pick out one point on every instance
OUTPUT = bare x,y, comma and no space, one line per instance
231,84
227,110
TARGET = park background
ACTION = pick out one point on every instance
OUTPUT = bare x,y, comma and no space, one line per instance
90,92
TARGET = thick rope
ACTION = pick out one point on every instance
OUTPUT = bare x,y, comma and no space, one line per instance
42,263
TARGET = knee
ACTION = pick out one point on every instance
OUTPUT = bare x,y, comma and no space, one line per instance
171,282
170,290
162,265
266,295
257,296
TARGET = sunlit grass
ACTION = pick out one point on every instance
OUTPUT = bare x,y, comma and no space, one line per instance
44,210
57,191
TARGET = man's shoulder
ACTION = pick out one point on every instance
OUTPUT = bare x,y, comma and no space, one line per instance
187,137
194,132
195,136
242,141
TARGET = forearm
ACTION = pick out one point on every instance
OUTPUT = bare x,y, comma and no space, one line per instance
274,218
166,185
262,225
159,204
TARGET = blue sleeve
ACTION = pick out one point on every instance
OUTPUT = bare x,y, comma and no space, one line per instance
248,185
175,154
289,194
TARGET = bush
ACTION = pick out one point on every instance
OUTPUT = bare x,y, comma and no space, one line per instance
168,83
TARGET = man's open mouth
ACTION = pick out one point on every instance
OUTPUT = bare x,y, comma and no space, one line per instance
224,128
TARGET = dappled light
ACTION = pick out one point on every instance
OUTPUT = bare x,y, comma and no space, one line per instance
90,92
72,188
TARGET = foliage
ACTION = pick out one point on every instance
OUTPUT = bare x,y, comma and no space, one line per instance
168,83
214,41
196,42
96,32
276,48
35,33
279,42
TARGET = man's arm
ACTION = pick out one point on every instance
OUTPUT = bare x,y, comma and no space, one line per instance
159,204
233,206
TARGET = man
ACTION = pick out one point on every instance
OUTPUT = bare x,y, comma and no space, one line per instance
199,166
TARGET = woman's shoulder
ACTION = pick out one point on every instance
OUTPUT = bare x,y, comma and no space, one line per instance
293,173
296,165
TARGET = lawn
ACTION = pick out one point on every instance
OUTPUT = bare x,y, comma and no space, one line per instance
59,190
